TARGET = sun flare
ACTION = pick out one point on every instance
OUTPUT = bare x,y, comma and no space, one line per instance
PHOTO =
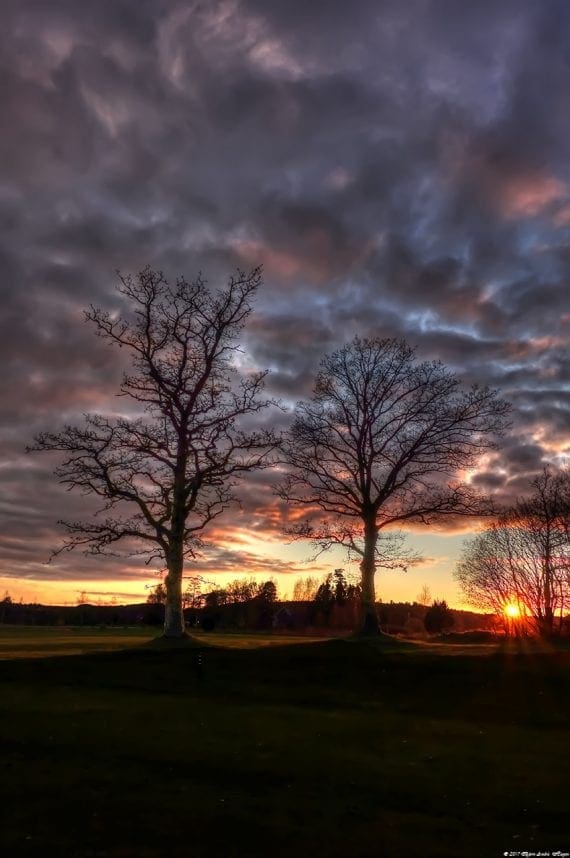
512,610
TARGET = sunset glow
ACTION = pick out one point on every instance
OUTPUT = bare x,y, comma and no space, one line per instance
378,166
285,428
512,610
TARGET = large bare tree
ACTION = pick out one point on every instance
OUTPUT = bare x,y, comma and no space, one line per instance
543,520
167,470
384,442
524,557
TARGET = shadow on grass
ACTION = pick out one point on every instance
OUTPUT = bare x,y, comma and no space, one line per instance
337,674
164,644
336,747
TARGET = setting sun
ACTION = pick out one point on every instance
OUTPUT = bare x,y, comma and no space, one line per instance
512,610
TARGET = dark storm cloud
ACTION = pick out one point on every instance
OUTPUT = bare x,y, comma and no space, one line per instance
400,169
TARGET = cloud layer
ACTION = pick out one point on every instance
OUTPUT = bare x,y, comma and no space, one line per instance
399,169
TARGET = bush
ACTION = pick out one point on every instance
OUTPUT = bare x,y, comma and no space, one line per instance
438,618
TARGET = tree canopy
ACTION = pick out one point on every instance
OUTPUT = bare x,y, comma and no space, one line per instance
170,467
523,558
385,441
438,618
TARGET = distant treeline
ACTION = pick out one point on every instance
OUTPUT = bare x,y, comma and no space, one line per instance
403,618
17,613
300,617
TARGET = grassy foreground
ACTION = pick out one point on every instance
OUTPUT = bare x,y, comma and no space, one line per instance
334,748
47,641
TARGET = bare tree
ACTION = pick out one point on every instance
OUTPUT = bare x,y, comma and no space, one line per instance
382,443
305,588
242,590
167,471
542,522
157,595
523,560
424,596
485,574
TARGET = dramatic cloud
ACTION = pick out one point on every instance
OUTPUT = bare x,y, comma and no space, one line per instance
400,169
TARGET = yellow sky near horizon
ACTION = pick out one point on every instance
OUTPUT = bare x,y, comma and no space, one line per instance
439,550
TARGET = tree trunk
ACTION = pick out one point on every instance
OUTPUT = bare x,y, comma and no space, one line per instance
174,626
548,622
173,614
369,626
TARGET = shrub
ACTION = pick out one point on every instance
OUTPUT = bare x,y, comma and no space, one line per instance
438,618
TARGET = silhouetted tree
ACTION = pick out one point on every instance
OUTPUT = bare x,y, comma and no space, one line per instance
267,592
244,603
265,602
524,557
438,618
541,524
242,590
424,596
192,595
5,604
353,592
216,598
324,599
157,595
381,443
485,573
305,589
340,587
166,471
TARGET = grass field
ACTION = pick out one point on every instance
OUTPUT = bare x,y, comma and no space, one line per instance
329,748
45,641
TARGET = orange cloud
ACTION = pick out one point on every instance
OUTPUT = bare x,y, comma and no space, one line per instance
317,259
562,216
516,192
527,196
534,346
278,263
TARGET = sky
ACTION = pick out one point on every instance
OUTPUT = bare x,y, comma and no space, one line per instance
399,169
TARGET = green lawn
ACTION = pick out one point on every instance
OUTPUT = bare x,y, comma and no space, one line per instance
331,748
45,641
